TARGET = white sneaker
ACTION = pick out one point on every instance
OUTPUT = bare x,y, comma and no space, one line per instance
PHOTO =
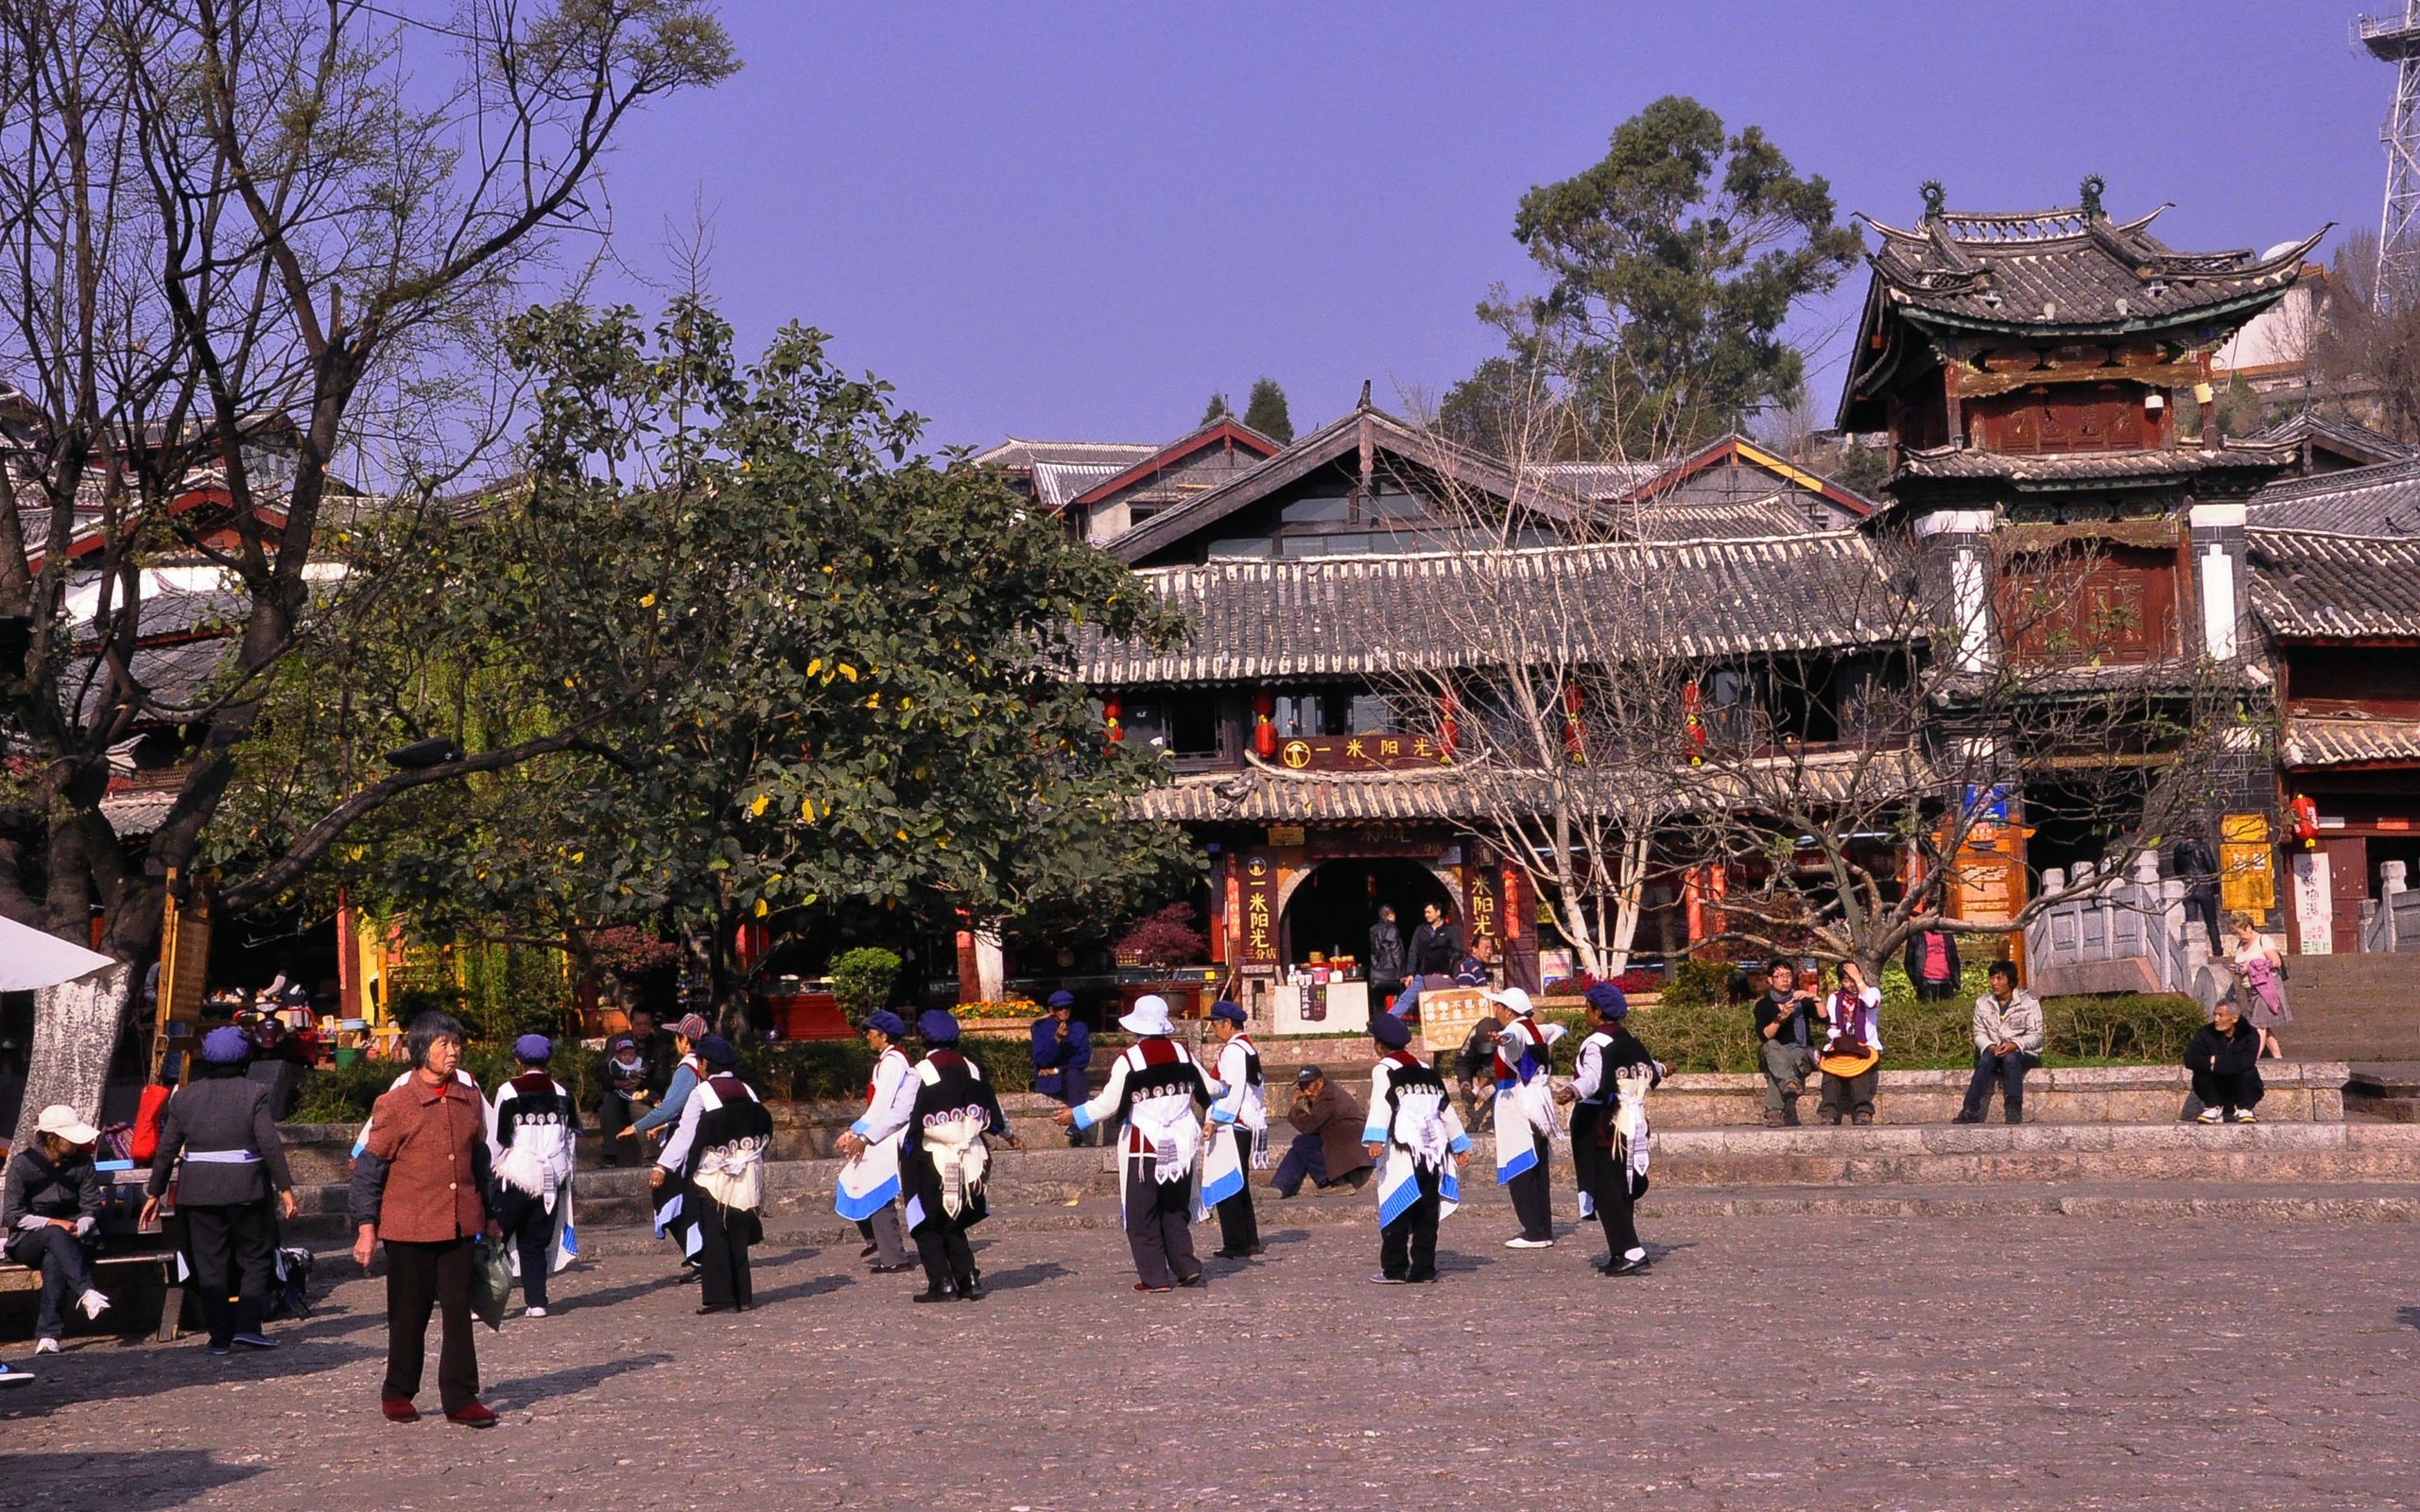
2244,1116
2211,1115
533,1312
45,1345
1529,1243
94,1304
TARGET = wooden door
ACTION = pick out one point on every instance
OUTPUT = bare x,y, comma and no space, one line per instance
2348,884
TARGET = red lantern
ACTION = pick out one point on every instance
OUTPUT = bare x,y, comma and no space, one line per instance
1449,730
2306,814
1571,736
1111,710
1264,729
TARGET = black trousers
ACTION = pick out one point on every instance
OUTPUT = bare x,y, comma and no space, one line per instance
613,1115
2204,901
1846,1096
2009,1071
1532,1193
1590,1160
422,1276
66,1271
723,1237
233,1248
1239,1227
530,1230
1614,1209
2239,1090
949,1260
1407,1247
1159,1228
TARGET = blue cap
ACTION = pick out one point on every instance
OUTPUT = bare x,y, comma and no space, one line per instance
1607,999
1390,1031
1224,1009
716,1050
888,1022
226,1046
1062,999
936,1027
533,1050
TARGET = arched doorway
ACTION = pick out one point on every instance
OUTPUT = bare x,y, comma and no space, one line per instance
1331,910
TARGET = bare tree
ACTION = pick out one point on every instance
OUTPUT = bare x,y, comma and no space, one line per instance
1853,796
248,248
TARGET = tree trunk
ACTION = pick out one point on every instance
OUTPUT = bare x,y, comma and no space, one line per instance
76,1029
1631,886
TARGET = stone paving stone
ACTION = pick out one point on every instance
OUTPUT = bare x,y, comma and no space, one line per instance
1815,1360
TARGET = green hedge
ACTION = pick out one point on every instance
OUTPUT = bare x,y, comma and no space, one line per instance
808,1070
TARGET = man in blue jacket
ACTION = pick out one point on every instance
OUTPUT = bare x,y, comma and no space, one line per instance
1063,1049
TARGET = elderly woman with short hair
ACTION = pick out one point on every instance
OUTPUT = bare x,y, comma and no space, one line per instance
418,1185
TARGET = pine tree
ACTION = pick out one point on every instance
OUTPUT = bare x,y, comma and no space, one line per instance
1216,410
1266,412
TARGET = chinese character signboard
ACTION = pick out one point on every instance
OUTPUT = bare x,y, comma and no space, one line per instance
1446,1017
1359,754
1259,912
1479,889
2245,881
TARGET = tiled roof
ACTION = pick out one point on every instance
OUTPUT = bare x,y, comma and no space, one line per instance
2362,501
133,814
2335,433
1678,517
2310,584
1016,453
1057,483
2062,271
2106,467
1260,796
2348,742
1375,614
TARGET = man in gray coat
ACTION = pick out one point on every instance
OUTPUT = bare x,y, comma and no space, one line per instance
222,1125
2009,1036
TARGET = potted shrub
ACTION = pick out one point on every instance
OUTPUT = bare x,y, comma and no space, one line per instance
1151,952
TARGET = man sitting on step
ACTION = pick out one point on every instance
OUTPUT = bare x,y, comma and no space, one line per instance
2224,1058
2009,1036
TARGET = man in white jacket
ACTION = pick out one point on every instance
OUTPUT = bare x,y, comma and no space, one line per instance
1238,1124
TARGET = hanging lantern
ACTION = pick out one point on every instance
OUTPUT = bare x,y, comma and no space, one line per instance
1449,729
1111,710
1692,703
1264,727
1571,734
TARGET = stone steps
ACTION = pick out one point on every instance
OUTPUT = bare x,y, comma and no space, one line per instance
2354,1007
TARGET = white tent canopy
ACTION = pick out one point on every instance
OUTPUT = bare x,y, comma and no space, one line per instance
30,960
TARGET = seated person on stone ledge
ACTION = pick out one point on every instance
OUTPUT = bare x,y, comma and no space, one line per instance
1327,1142
2009,1036
2224,1058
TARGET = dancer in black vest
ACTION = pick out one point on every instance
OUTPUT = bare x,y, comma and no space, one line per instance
944,1162
1609,1140
717,1157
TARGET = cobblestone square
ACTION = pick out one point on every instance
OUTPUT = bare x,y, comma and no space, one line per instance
1832,1361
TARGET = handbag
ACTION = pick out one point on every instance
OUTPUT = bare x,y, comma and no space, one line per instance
490,1281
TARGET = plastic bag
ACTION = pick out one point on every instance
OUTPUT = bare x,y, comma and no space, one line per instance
490,1281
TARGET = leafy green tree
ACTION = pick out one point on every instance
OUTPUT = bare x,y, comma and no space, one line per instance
1265,411
1214,411
1672,263
809,669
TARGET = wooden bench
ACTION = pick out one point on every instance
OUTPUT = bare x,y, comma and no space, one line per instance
137,1263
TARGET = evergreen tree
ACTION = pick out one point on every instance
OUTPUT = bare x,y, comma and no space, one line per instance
1266,412
1215,411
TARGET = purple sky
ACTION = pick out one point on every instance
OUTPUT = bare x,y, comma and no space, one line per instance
1076,221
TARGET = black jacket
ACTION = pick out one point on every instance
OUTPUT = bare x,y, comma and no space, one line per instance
1437,949
2196,864
1795,1014
1386,952
2224,1054
212,1114
70,1189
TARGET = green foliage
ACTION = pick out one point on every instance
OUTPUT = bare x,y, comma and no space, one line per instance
1214,411
1266,412
798,665
1672,263
1696,984
862,980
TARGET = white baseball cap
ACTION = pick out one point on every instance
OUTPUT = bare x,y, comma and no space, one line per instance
1513,998
60,1119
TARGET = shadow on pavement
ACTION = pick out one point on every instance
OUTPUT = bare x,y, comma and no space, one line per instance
2408,1317
1023,1276
817,1287
125,1481
507,1395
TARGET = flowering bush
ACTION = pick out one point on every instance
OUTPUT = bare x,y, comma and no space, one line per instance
1164,939
999,1008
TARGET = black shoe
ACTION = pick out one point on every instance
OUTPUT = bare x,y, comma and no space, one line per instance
1968,1118
971,1291
1194,1279
1627,1268
893,1270
707,1311
935,1294
870,1251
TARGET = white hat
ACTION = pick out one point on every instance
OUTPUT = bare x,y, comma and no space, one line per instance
1513,998
60,1119
1149,1016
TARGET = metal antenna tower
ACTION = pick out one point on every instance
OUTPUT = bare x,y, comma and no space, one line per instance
2397,40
